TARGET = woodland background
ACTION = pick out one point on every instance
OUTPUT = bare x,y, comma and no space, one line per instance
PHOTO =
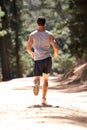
66,19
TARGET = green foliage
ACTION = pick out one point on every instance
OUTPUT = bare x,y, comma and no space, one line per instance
13,27
27,63
78,28
1,13
2,32
66,61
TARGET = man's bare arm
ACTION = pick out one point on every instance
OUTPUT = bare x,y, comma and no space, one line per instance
55,47
29,46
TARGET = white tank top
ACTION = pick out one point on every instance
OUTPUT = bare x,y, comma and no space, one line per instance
41,44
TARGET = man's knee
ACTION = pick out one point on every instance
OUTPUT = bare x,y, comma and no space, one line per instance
45,76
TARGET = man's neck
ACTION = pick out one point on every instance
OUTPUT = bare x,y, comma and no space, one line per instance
41,28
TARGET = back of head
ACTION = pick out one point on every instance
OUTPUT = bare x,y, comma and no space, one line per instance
41,21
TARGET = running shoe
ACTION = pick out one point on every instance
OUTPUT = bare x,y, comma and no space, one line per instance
36,90
44,101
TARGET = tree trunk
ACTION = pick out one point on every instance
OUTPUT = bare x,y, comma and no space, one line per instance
18,67
4,58
16,15
3,44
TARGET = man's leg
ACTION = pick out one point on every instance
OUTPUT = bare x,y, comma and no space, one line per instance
44,87
37,80
36,85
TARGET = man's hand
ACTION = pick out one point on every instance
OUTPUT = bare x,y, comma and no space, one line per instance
29,46
32,55
56,57
55,47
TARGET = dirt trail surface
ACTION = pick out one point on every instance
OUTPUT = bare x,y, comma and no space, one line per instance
21,110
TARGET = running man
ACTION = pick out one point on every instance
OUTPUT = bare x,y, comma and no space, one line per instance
41,40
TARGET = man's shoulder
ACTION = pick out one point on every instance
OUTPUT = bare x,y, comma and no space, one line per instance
34,32
48,32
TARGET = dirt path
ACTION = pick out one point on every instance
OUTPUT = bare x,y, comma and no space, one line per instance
21,110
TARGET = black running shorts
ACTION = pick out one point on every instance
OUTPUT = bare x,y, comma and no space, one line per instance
42,66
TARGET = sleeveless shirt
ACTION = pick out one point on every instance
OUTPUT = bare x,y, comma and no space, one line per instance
41,44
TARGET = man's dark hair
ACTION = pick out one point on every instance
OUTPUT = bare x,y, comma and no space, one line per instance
41,21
